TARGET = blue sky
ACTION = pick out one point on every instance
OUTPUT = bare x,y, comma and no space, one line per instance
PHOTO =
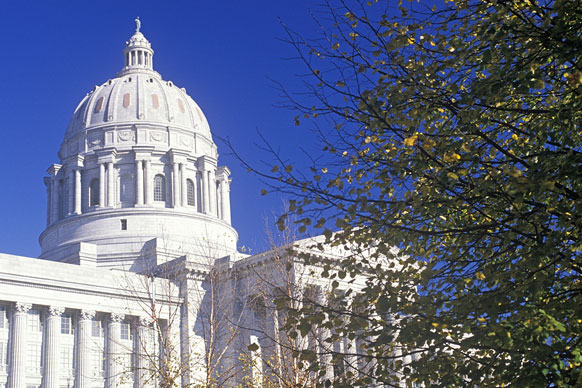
223,53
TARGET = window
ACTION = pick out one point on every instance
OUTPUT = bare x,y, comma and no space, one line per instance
123,224
126,188
126,98
155,101
94,192
159,188
3,355
33,358
190,192
99,105
66,327
97,328
126,333
33,321
3,318
97,362
67,359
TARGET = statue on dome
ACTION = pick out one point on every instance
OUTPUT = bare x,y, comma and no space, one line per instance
137,24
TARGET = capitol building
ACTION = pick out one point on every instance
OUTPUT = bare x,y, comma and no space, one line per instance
139,282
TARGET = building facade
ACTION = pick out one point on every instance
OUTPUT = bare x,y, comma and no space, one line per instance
139,282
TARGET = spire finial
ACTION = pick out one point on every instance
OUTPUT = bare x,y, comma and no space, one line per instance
137,24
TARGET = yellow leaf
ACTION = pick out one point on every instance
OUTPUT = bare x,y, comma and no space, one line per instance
480,275
410,141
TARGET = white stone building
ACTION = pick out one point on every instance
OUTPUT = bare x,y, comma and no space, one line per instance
139,263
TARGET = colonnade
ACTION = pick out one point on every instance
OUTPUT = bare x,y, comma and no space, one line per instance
51,373
211,188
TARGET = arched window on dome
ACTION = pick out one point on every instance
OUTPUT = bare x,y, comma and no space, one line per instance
94,192
99,105
159,188
190,192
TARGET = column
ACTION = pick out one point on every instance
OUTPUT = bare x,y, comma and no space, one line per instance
144,352
225,202
139,182
149,184
204,188
183,186
102,185
324,348
54,199
77,191
110,185
176,184
71,199
113,354
83,370
273,312
351,345
212,191
52,359
18,350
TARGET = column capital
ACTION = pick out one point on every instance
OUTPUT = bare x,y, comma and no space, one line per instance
53,170
145,321
116,317
22,308
86,315
55,311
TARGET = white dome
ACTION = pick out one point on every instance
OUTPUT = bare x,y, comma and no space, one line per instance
138,97
137,165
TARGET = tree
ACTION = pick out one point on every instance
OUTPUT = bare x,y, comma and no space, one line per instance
452,133
189,324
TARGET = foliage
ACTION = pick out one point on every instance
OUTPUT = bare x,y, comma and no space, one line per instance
454,135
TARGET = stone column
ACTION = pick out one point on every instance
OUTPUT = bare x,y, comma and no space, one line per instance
212,192
83,370
77,191
71,188
18,350
52,360
176,184
204,188
102,185
54,199
225,200
149,184
183,185
324,348
110,185
276,336
139,182
143,350
113,354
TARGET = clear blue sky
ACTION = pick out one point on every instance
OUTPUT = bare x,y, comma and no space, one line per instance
223,53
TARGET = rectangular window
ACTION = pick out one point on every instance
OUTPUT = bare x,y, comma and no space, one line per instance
123,224
126,333
3,318
66,326
33,359
97,362
3,356
67,359
33,321
97,328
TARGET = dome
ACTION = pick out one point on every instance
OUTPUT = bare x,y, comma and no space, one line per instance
137,174
136,98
